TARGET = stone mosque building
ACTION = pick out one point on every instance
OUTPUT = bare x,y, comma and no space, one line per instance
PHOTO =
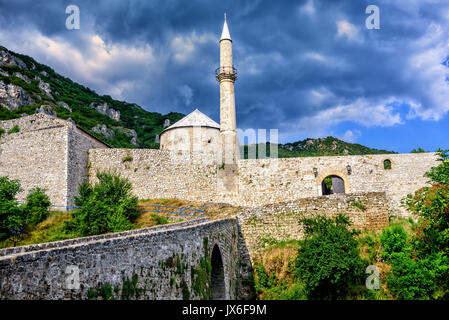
196,131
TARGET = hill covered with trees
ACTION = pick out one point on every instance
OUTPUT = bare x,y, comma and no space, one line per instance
27,86
329,146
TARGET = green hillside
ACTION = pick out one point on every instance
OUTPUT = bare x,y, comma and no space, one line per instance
329,146
146,124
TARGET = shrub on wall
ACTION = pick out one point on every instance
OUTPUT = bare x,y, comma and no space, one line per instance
440,173
14,129
107,206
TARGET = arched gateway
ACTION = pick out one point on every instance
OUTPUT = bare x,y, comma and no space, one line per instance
332,185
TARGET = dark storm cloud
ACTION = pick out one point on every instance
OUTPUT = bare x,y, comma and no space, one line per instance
304,66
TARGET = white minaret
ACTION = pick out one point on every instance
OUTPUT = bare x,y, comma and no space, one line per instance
226,76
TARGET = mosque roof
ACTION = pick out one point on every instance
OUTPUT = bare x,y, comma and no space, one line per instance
194,119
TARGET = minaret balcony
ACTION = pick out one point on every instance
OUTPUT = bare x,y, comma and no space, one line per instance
226,73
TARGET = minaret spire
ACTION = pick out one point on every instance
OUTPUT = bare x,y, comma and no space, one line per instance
225,35
226,76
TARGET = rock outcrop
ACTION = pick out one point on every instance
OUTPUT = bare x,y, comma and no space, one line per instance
13,97
103,129
130,133
104,109
46,109
44,87
22,76
8,59
64,105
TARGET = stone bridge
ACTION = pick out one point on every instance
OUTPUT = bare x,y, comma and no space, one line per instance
196,259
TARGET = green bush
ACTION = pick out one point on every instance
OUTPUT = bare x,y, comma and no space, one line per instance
36,207
413,278
107,206
273,288
328,260
419,150
11,217
440,173
431,206
420,269
393,240
158,219
15,220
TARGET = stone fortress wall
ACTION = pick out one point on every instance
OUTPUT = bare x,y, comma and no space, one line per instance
280,221
190,176
164,261
47,152
264,181
160,174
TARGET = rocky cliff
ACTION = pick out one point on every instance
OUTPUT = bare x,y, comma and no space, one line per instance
28,87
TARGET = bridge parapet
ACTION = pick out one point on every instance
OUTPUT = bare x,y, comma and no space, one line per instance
164,262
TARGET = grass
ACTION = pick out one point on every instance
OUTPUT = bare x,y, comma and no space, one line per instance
127,159
274,272
148,219
51,229
213,210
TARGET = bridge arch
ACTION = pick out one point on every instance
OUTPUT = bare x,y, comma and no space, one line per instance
218,286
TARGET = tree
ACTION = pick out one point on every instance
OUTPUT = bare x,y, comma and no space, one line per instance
328,260
107,206
440,173
14,219
431,206
11,219
430,246
36,207
410,276
419,150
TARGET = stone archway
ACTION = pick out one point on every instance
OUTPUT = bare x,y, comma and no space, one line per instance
332,184
217,289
